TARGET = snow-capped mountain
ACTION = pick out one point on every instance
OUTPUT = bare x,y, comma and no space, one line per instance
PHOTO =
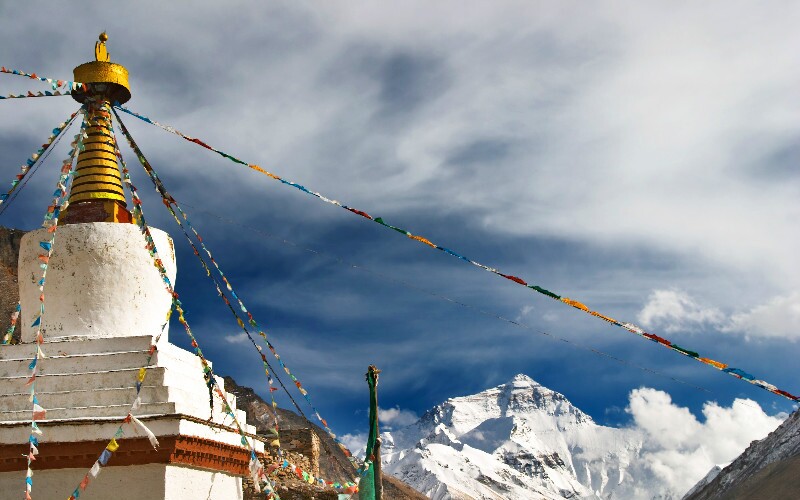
519,440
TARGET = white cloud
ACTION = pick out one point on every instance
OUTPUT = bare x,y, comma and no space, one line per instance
238,338
393,418
390,418
679,449
780,317
524,311
356,443
673,310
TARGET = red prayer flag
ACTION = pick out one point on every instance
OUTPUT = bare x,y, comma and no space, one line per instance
514,278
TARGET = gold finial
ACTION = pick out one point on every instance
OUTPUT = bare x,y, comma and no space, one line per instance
100,52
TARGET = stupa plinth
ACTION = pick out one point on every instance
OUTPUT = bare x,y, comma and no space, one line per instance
105,302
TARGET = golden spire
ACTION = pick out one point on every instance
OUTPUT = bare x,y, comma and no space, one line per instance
97,194
100,52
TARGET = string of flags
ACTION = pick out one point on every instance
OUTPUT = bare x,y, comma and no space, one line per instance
56,84
113,445
267,368
46,93
31,161
256,469
630,327
416,288
51,224
348,487
168,202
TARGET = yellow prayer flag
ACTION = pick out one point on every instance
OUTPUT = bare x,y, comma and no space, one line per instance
715,364
113,446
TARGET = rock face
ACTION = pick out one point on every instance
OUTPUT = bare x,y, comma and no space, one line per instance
9,290
332,462
298,438
519,440
768,468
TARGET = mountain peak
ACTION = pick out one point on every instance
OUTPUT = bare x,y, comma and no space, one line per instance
521,380
517,440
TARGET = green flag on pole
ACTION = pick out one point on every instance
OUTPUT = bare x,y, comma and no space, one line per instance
366,488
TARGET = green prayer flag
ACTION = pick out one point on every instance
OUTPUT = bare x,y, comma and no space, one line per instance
366,488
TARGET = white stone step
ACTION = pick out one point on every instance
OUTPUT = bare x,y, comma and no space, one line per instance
120,411
112,379
189,403
78,345
93,362
84,398
113,388
156,375
91,412
78,363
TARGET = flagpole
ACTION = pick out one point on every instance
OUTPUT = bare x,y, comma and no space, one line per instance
372,372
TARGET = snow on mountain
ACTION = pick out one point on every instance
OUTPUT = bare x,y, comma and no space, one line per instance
712,474
519,440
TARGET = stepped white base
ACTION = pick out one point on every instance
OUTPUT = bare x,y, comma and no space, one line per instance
87,386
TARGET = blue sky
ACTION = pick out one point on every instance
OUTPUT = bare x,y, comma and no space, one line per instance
639,159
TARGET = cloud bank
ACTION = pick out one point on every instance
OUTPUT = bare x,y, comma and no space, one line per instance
677,311
679,449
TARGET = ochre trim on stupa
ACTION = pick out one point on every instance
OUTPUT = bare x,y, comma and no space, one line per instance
184,450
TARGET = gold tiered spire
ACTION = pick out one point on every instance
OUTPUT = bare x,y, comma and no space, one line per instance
97,194
97,174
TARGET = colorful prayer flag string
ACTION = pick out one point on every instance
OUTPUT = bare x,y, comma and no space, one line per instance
349,487
112,446
169,201
256,469
162,190
46,93
630,327
141,374
51,224
35,157
52,81
166,197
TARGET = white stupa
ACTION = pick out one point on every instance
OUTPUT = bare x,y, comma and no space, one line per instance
105,302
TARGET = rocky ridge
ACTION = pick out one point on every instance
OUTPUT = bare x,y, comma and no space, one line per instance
331,462
9,256
767,469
